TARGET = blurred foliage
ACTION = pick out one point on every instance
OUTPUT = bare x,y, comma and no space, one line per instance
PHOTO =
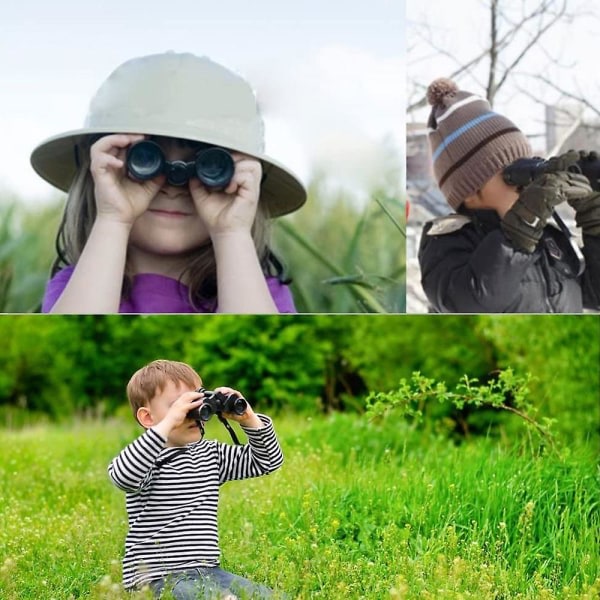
564,355
65,365
343,256
26,252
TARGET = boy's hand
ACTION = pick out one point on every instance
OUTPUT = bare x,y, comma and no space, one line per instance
249,418
563,162
587,213
524,223
177,413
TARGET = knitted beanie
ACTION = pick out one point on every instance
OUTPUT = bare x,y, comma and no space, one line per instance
469,142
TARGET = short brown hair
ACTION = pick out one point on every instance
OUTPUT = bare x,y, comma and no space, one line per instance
152,379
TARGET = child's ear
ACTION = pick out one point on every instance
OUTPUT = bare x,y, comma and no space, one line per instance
144,417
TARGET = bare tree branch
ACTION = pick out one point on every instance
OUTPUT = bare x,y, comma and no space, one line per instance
534,23
577,98
534,40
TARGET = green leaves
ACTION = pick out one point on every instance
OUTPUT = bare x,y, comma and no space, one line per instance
504,391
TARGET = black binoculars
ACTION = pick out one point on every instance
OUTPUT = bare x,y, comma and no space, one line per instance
524,170
213,166
215,403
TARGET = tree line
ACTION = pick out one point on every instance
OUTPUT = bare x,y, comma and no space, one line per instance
60,366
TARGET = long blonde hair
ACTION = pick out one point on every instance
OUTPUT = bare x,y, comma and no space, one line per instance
79,216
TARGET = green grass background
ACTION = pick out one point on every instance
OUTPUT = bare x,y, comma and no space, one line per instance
357,511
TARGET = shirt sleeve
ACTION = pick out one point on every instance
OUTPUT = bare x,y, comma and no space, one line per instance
55,287
260,456
130,469
282,296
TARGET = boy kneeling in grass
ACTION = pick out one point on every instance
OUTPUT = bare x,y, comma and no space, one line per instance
171,476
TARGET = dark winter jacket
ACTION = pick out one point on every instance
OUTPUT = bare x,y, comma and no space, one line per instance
468,265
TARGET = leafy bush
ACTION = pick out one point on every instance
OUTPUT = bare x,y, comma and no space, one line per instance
505,392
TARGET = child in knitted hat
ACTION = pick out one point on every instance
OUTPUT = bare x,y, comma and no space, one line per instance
498,253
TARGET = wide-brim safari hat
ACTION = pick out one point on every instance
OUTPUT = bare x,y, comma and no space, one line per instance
181,96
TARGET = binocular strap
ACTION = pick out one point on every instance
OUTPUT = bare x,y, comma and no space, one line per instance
167,459
234,437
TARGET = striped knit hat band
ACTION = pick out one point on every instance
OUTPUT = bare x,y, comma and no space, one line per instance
469,142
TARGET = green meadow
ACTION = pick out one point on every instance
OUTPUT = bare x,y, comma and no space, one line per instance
358,510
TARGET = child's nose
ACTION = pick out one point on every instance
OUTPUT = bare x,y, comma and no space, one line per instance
172,191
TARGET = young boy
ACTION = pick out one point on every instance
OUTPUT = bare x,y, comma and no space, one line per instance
497,253
171,476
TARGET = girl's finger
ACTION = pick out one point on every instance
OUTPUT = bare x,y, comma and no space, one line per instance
104,162
249,166
243,181
232,188
114,161
116,141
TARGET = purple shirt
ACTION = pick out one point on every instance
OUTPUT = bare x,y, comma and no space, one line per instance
152,293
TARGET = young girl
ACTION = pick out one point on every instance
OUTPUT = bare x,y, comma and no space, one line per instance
128,244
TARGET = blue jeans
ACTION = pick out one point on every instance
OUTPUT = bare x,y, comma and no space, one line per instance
208,583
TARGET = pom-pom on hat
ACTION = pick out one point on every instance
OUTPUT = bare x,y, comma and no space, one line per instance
180,96
470,143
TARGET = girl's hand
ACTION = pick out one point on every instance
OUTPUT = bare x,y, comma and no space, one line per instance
233,209
119,198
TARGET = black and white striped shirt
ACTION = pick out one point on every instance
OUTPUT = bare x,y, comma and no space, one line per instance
172,496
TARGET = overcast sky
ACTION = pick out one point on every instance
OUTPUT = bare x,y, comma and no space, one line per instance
329,75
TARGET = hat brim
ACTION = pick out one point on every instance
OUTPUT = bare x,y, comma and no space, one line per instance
56,161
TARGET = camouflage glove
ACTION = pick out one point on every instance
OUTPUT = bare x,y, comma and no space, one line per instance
587,208
563,162
524,223
587,213
573,167
589,163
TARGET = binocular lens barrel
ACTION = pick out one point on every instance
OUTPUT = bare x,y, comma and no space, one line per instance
214,167
523,171
236,405
205,412
145,160
216,402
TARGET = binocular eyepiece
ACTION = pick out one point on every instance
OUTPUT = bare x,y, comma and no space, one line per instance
216,402
524,170
213,166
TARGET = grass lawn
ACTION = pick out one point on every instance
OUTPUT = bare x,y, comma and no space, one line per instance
357,511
